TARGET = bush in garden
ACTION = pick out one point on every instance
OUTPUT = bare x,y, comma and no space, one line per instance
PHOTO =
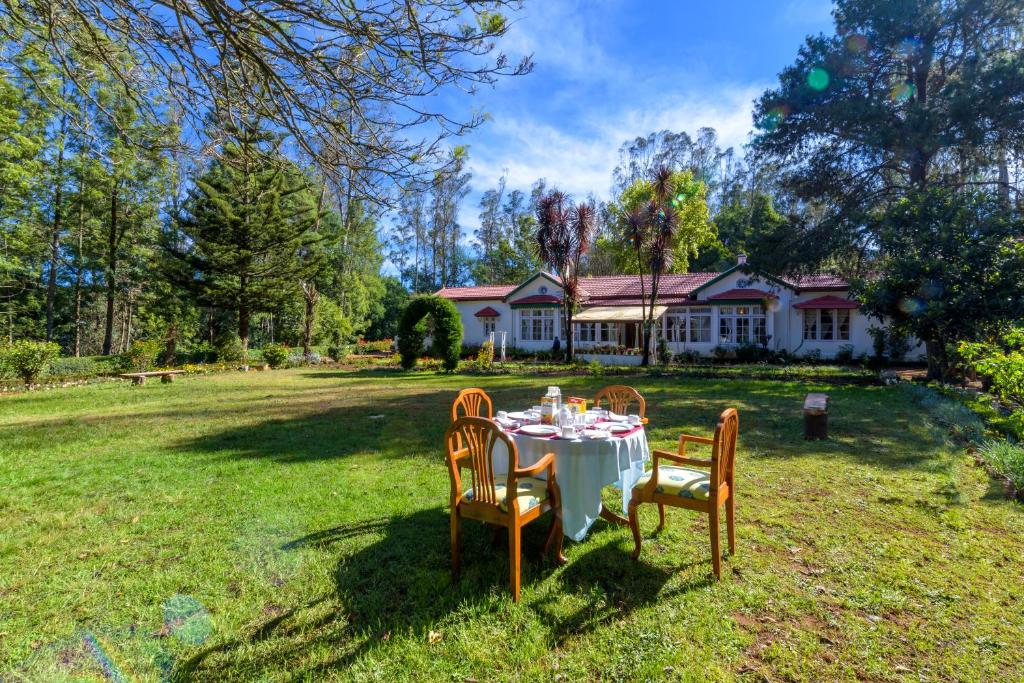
229,349
140,356
447,334
275,355
664,355
485,357
1002,362
28,359
78,368
376,346
1007,459
844,356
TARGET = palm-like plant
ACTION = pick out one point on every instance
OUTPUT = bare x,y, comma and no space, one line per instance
564,233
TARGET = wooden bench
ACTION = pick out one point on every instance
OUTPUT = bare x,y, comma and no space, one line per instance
139,378
816,416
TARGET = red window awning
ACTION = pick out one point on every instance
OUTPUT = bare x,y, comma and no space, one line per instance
487,312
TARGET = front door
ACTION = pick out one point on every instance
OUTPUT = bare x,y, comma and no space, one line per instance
631,341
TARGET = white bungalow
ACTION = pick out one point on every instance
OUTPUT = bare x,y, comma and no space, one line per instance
696,312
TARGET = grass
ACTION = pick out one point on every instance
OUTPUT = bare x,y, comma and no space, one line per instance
291,526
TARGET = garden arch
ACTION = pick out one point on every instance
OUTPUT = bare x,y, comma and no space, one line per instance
447,336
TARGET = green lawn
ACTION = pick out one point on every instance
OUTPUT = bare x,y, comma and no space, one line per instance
292,526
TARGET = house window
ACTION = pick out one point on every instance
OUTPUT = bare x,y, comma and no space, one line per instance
742,325
607,332
489,326
827,324
700,327
675,328
537,324
586,332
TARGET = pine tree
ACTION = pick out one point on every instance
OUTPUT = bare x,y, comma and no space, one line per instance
245,227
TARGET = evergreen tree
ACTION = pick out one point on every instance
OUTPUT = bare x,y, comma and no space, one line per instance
244,226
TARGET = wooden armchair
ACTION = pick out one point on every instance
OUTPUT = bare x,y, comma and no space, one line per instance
472,403
619,398
487,499
688,487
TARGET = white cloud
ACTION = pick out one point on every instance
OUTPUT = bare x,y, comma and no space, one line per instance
580,158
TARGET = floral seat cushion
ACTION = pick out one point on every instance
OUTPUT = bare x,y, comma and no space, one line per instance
680,481
531,492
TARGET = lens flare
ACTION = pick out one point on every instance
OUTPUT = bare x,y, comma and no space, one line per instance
911,305
931,290
187,619
818,78
773,118
908,47
902,92
102,653
856,43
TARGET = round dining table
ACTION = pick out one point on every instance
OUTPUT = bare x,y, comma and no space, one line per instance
583,467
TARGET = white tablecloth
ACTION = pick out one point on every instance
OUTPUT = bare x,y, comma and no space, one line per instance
583,467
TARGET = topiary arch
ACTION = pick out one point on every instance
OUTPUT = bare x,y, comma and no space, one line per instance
412,330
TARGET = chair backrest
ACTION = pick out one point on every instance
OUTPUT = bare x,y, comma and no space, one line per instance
619,398
723,452
472,403
470,442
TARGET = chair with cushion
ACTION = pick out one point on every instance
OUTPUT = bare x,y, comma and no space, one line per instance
619,398
470,442
695,484
472,402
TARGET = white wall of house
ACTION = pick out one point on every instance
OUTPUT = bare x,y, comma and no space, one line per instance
783,323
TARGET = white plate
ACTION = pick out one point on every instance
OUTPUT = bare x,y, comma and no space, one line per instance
617,428
596,433
518,415
615,417
539,430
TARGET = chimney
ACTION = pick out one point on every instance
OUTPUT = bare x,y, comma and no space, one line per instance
741,260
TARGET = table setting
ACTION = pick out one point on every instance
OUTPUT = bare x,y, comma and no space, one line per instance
593,448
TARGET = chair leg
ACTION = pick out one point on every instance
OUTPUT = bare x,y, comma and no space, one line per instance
730,523
716,549
513,559
456,531
661,516
634,525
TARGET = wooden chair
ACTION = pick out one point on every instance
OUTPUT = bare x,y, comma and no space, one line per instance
487,500
692,488
472,402
619,398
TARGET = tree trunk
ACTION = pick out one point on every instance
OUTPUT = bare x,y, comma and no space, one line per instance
58,219
310,295
243,331
78,267
570,347
111,275
935,352
171,347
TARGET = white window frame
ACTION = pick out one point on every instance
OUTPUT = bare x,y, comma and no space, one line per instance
678,326
490,324
814,323
750,317
537,324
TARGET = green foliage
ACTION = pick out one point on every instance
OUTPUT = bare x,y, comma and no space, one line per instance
1006,459
140,356
951,272
69,367
229,349
485,356
962,422
375,346
595,369
664,354
1002,363
844,356
446,332
28,359
276,355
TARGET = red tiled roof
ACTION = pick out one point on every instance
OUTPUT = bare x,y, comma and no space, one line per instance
536,299
487,312
743,294
828,302
818,281
475,293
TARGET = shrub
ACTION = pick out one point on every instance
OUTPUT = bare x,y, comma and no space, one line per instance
813,357
751,353
1007,459
412,329
339,352
664,355
485,357
229,349
140,356
203,352
28,359
844,356
687,357
377,346
275,355
77,368
595,368
722,352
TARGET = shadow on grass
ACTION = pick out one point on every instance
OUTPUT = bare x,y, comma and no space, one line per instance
396,580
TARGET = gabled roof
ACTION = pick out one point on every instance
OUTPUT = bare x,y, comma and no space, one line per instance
537,299
487,312
820,281
540,273
476,293
829,301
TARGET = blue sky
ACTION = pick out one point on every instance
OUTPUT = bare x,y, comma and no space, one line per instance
610,70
